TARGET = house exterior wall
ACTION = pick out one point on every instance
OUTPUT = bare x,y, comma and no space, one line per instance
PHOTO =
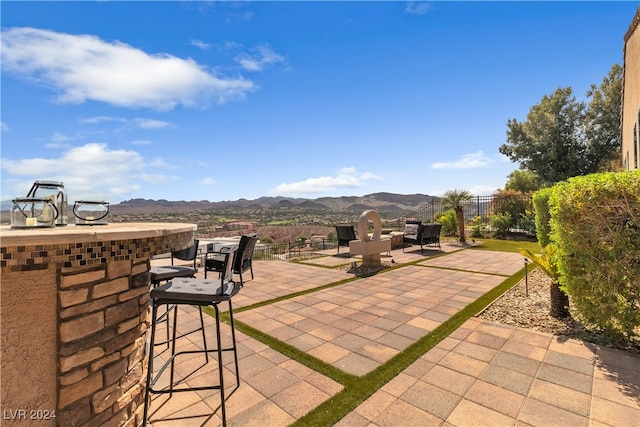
631,97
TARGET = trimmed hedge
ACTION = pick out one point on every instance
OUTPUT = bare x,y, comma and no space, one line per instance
540,201
595,225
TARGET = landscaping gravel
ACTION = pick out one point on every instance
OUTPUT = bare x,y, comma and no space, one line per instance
517,309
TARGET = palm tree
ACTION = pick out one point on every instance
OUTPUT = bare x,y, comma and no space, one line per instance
453,199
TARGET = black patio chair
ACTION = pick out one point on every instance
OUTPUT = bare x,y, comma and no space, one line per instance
345,234
243,261
425,234
164,273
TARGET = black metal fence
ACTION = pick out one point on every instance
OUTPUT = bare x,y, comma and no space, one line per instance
485,216
495,214
289,250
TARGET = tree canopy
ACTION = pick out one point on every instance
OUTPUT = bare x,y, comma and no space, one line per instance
522,181
563,137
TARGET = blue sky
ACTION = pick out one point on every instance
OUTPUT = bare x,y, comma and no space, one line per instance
227,100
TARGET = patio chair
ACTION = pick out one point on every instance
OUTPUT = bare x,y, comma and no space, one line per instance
242,262
160,274
424,234
434,235
167,272
345,233
198,292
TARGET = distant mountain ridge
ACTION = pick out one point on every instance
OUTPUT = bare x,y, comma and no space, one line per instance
384,202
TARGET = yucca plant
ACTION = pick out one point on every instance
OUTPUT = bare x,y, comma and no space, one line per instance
559,299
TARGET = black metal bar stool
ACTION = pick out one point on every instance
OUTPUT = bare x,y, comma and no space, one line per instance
161,274
198,292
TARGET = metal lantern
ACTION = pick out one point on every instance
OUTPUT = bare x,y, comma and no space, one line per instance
54,191
91,212
33,212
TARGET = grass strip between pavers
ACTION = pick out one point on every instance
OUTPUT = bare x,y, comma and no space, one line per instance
357,389
337,407
299,356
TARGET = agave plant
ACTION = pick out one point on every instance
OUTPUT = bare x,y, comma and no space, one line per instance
559,300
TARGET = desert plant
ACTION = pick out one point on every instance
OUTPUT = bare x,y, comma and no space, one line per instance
558,298
454,199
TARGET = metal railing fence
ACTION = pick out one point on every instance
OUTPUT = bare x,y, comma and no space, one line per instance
514,212
289,250
487,213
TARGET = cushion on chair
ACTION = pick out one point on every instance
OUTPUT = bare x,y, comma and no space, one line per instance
411,229
195,290
167,272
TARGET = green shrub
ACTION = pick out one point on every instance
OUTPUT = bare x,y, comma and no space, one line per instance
501,223
595,223
542,216
478,227
512,202
449,223
528,222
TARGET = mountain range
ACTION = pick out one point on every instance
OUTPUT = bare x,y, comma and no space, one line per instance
383,202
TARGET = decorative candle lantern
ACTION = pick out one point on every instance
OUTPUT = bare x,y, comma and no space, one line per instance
54,191
91,213
32,212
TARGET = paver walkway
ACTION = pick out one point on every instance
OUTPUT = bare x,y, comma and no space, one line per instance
482,374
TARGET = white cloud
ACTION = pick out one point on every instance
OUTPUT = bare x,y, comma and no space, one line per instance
89,172
84,67
200,44
208,181
140,123
417,7
229,45
346,177
467,161
100,119
4,127
150,124
260,57
158,163
57,137
59,140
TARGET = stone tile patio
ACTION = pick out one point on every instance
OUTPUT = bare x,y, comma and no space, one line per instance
482,374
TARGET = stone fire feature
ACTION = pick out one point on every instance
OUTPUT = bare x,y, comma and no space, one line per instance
74,304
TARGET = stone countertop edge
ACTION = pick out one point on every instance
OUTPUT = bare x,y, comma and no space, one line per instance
81,233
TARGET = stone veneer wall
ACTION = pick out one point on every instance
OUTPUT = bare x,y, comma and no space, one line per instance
102,319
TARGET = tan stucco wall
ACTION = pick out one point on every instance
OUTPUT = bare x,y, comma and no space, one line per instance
29,348
631,100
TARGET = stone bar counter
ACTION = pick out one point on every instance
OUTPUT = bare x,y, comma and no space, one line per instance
73,320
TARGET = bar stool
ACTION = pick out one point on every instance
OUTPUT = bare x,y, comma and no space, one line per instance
198,292
164,273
